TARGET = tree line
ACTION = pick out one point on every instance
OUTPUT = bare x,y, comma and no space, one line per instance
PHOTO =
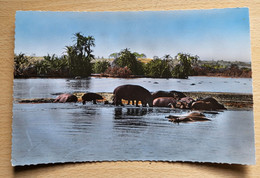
78,61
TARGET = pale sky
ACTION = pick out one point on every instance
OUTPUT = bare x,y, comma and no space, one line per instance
217,34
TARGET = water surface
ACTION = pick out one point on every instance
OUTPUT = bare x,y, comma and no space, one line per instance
46,133
43,88
70,132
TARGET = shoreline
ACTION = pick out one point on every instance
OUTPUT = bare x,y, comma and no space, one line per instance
229,100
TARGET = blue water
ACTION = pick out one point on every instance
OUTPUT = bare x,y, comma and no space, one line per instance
71,132
43,88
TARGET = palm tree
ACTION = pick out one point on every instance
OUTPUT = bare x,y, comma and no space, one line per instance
80,55
71,55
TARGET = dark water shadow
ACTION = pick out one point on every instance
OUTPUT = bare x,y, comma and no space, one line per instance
234,170
121,112
82,121
130,117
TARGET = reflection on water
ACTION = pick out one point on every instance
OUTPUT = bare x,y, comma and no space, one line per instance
130,117
131,111
61,132
78,120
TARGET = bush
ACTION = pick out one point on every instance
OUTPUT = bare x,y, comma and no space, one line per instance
184,68
21,64
100,67
52,66
126,58
158,68
123,72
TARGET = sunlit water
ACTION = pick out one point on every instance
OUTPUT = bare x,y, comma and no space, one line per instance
57,132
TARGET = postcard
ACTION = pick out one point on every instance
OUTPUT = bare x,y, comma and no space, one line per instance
140,85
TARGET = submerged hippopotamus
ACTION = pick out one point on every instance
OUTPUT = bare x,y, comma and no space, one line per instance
132,92
190,117
173,93
66,97
164,102
91,97
208,103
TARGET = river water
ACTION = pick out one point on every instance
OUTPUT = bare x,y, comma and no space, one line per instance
44,88
71,132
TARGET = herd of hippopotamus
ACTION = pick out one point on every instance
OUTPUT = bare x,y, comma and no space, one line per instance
135,94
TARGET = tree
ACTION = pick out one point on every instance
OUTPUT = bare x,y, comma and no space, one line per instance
184,67
138,55
100,66
43,68
158,68
80,55
21,64
126,58
167,57
114,55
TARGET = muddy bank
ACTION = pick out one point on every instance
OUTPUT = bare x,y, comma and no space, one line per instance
229,100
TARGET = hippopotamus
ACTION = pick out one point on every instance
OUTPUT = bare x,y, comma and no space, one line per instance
202,105
208,103
66,97
190,117
174,94
185,103
91,97
132,92
164,102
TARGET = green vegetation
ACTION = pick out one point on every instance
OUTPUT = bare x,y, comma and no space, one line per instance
79,61
129,59
122,72
158,68
21,64
100,66
184,68
80,55
52,65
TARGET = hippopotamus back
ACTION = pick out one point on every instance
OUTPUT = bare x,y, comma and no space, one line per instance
173,93
202,105
164,102
215,104
132,92
66,97
91,97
